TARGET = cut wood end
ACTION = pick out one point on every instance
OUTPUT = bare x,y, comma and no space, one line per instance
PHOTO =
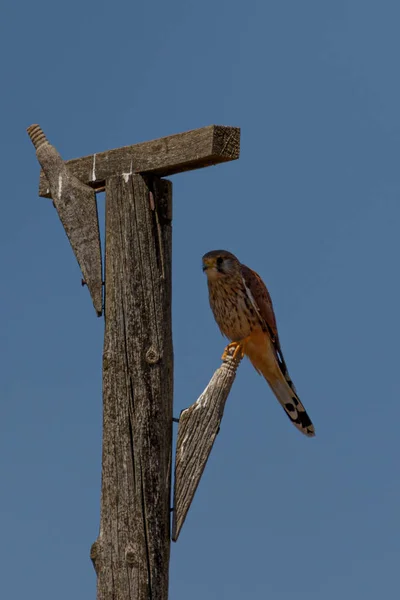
226,142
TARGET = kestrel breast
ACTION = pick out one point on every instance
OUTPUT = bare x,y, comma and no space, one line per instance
233,310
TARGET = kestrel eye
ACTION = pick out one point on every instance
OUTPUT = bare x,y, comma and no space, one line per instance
220,260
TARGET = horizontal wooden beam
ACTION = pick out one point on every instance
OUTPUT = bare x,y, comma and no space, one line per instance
166,156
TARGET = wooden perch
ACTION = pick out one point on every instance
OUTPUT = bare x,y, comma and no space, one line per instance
166,156
198,427
131,553
76,206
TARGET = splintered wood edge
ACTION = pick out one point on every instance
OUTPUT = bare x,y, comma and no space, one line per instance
166,156
197,429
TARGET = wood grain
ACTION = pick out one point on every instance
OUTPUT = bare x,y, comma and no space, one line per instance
77,208
165,156
131,554
197,429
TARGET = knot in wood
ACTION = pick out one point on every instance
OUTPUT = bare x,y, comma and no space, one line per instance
152,356
130,556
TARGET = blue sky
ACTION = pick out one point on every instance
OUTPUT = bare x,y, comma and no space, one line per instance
313,205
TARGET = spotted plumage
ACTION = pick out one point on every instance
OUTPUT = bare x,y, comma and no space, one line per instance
243,310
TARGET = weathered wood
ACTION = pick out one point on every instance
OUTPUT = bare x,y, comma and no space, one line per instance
165,156
77,208
197,429
131,554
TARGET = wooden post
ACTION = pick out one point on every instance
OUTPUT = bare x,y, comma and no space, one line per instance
131,554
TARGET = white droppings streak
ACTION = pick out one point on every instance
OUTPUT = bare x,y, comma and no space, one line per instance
94,168
202,401
60,183
127,175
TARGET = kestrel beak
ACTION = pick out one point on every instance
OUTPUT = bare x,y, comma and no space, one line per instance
210,268
208,263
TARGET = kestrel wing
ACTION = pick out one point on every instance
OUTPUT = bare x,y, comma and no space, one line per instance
263,304
284,391
262,300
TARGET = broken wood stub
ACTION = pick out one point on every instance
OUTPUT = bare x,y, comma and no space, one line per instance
131,554
77,208
177,153
197,429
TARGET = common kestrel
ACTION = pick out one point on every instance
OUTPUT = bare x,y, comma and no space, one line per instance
243,310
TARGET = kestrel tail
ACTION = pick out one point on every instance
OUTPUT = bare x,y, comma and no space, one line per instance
243,310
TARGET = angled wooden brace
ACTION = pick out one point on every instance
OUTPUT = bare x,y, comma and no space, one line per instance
76,206
197,429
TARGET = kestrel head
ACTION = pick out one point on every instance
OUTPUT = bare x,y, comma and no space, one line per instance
220,263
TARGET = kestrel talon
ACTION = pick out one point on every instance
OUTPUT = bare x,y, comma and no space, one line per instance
243,310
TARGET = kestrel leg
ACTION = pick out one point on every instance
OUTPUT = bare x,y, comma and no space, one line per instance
239,349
